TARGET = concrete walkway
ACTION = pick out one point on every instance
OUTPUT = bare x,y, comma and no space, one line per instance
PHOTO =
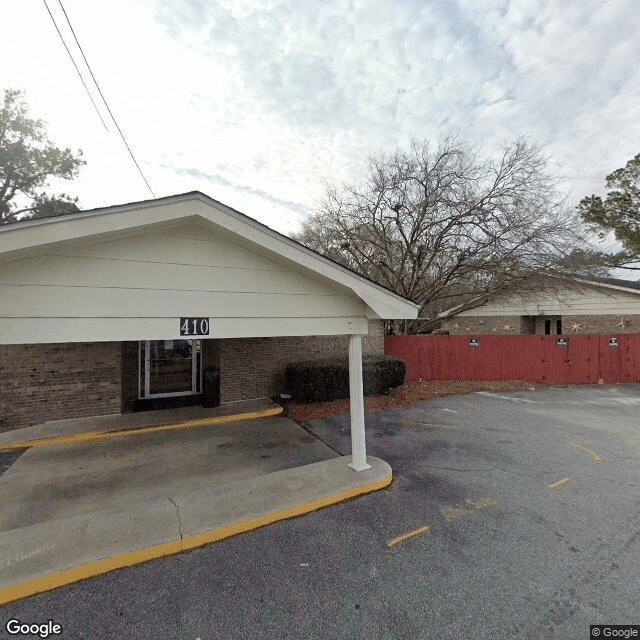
75,510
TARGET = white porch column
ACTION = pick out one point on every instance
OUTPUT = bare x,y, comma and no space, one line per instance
356,404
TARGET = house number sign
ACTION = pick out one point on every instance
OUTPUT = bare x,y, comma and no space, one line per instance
194,326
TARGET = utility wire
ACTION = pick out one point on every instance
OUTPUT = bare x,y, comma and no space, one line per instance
104,99
76,66
126,144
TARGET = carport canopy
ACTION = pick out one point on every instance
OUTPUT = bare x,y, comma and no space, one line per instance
183,265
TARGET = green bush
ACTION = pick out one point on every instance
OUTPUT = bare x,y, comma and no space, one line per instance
324,380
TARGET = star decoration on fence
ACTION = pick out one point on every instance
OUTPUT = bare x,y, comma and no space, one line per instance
507,327
456,325
576,326
622,323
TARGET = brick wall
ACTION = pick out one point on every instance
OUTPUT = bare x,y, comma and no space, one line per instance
484,325
601,324
40,382
255,367
56,381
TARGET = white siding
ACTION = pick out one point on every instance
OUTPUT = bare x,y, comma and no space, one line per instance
138,287
590,301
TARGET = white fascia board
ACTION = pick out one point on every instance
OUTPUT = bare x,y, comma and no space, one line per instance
386,311
386,304
606,285
48,330
444,313
600,285
34,236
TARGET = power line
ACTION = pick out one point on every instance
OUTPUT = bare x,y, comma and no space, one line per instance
126,144
104,99
76,66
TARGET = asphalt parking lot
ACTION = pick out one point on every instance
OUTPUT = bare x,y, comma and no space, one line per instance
512,515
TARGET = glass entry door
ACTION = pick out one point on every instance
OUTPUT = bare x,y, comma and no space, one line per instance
170,368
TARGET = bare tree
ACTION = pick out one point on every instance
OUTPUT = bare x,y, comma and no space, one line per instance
444,227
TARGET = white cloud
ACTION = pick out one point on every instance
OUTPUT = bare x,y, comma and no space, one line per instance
257,102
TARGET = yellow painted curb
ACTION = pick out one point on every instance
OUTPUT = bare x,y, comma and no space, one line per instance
132,431
90,569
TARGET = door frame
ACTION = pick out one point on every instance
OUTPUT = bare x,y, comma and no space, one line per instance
196,371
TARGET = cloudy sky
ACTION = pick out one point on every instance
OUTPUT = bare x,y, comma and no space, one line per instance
258,102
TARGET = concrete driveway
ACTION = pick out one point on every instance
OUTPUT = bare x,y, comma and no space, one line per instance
79,508
58,482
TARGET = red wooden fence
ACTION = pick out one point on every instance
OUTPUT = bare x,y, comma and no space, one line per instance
583,358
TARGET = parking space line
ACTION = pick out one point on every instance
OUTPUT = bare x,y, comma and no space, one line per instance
431,426
510,398
559,483
404,536
454,512
596,457
132,431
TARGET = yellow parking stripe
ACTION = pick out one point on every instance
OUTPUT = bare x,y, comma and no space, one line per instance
132,431
404,536
555,485
596,457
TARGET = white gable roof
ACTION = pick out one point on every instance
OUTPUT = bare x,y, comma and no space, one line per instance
61,244
590,298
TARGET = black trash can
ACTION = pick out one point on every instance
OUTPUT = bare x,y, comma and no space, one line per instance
210,387
284,400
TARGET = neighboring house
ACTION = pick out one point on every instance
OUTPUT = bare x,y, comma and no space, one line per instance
121,309
587,307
